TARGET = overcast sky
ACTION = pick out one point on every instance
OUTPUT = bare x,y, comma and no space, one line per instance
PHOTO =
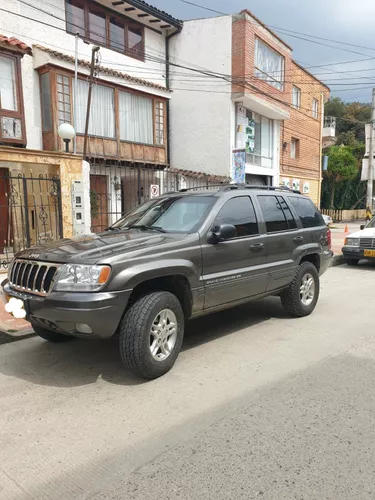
342,20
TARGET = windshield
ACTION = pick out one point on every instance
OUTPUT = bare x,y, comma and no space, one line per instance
180,214
371,224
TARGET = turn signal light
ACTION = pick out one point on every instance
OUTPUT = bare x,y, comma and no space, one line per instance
104,275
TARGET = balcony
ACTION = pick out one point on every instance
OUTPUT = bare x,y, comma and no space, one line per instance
329,132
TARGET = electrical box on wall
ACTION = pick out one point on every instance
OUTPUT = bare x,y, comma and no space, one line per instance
78,208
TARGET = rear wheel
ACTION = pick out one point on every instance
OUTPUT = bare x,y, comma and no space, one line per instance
352,262
300,298
50,335
151,334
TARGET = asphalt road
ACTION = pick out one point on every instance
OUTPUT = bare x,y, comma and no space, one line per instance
258,406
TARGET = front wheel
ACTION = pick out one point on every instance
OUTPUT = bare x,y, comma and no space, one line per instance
300,298
151,334
51,336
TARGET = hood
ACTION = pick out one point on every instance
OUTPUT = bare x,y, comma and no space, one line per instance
91,248
365,233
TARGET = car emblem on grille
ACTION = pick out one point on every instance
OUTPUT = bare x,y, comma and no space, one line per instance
34,255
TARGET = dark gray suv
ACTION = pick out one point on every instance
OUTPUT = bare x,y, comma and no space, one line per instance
175,257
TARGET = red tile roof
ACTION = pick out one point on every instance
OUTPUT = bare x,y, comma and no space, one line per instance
102,69
15,44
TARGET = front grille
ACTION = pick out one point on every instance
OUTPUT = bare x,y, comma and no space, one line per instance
32,277
367,242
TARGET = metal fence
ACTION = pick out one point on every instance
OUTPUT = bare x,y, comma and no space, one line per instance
117,187
30,213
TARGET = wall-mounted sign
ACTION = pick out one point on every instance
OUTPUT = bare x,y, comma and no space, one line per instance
154,190
296,184
238,166
306,187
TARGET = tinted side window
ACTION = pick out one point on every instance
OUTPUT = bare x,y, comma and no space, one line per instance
292,224
240,213
273,213
307,211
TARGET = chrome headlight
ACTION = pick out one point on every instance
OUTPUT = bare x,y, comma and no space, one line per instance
352,242
81,278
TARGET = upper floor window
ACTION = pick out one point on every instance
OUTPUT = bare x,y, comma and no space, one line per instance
315,108
101,26
140,118
11,109
269,65
294,148
296,97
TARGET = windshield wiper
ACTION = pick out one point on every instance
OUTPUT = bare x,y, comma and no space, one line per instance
111,228
145,227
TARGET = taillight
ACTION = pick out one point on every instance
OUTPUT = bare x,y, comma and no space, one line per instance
329,239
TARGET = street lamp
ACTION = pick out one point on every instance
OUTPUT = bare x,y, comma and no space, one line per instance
66,132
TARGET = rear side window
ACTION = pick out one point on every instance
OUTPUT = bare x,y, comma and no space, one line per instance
307,211
276,213
240,213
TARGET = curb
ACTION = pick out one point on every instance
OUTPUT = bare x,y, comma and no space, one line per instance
338,260
7,338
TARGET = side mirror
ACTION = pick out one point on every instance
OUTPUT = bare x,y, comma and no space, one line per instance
222,233
361,227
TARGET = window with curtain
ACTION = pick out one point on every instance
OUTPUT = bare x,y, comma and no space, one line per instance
8,91
12,125
269,65
136,118
102,113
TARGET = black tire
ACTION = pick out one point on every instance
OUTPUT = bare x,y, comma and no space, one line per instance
135,328
50,335
352,262
291,298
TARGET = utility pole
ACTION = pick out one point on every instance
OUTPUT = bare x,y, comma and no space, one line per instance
370,176
75,94
91,83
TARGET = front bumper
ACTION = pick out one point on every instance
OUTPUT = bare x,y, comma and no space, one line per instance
356,253
62,311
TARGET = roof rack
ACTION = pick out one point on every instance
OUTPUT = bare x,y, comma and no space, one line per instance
230,187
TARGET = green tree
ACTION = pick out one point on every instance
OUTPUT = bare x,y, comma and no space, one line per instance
342,166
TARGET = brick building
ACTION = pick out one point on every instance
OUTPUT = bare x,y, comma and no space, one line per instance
301,135
237,107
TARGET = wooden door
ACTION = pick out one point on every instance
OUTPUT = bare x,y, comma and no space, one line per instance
4,210
99,203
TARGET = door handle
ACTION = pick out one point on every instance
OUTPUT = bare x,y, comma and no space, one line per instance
298,239
256,247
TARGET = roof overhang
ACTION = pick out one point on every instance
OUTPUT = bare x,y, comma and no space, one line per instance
143,13
261,106
14,45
